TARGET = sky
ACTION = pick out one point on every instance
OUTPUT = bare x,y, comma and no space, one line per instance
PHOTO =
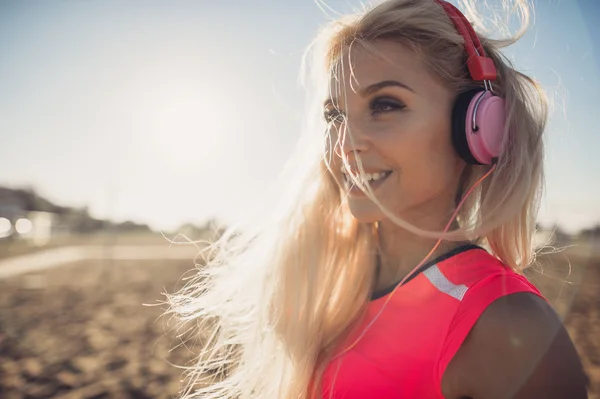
169,112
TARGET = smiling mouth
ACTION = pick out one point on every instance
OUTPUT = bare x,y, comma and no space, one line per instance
374,180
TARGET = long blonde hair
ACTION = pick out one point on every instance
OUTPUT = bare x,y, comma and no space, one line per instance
272,303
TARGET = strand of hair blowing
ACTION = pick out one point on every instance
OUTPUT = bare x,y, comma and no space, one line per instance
270,302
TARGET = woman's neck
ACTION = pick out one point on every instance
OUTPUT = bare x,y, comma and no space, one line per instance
400,251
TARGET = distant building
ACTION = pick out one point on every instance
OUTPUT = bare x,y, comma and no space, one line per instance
12,205
12,208
43,227
25,215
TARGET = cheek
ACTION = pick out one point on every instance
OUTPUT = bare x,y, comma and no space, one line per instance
433,172
332,137
332,156
424,155
330,147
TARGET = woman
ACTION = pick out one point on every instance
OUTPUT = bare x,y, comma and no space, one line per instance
392,268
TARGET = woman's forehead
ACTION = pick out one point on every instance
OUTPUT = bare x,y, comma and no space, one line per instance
362,66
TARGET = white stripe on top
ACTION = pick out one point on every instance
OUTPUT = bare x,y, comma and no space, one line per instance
439,281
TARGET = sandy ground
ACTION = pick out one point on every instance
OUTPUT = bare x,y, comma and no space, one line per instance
82,331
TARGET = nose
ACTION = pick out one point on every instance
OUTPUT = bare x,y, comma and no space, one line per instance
352,138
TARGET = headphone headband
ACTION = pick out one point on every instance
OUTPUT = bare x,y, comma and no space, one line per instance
481,68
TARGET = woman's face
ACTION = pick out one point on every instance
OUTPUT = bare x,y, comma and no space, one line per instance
399,118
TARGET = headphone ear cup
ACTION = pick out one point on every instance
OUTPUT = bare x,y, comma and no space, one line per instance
486,137
480,144
459,128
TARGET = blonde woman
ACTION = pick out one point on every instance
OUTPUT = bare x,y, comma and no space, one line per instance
392,268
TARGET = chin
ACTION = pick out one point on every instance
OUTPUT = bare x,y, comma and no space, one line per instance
365,211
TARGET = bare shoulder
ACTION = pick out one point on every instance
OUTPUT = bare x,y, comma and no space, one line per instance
518,349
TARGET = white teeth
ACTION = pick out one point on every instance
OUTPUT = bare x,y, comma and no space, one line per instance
367,176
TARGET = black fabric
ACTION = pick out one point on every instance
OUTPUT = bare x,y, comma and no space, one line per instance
425,266
459,120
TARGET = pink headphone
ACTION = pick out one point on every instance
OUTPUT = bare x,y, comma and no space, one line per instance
478,117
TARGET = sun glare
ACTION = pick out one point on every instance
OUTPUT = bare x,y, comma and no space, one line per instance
188,131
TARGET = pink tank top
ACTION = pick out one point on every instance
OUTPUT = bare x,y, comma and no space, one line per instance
405,352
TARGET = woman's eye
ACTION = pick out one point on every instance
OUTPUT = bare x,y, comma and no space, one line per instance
333,115
380,105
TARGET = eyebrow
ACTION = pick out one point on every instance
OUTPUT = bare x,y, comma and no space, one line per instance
374,88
